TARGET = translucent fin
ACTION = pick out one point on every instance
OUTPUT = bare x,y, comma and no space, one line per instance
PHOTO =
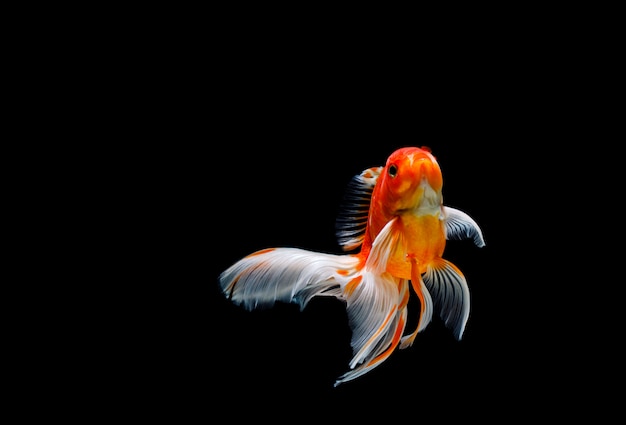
426,305
354,209
377,314
387,241
459,225
290,275
450,294
376,307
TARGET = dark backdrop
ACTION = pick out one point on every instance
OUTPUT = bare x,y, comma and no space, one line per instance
284,189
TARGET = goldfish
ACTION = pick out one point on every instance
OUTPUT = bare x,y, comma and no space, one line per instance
392,230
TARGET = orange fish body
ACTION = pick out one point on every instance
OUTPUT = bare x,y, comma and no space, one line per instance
394,216
413,194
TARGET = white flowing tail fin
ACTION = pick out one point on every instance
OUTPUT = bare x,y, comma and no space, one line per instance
290,275
375,300
376,306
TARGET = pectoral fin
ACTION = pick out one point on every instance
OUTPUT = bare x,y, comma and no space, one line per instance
459,225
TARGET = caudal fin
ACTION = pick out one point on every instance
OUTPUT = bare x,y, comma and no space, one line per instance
376,306
375,300
290,275
377,313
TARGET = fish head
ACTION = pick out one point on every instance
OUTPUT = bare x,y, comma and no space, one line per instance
411,181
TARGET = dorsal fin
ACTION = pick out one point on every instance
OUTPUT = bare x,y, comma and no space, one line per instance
354,209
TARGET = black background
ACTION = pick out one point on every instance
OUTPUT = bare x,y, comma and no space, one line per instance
292,199
283,188
268,168
250,144
196,138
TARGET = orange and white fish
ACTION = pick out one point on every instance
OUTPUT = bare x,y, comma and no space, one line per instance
393,230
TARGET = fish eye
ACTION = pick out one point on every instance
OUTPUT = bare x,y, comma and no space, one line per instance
393,170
